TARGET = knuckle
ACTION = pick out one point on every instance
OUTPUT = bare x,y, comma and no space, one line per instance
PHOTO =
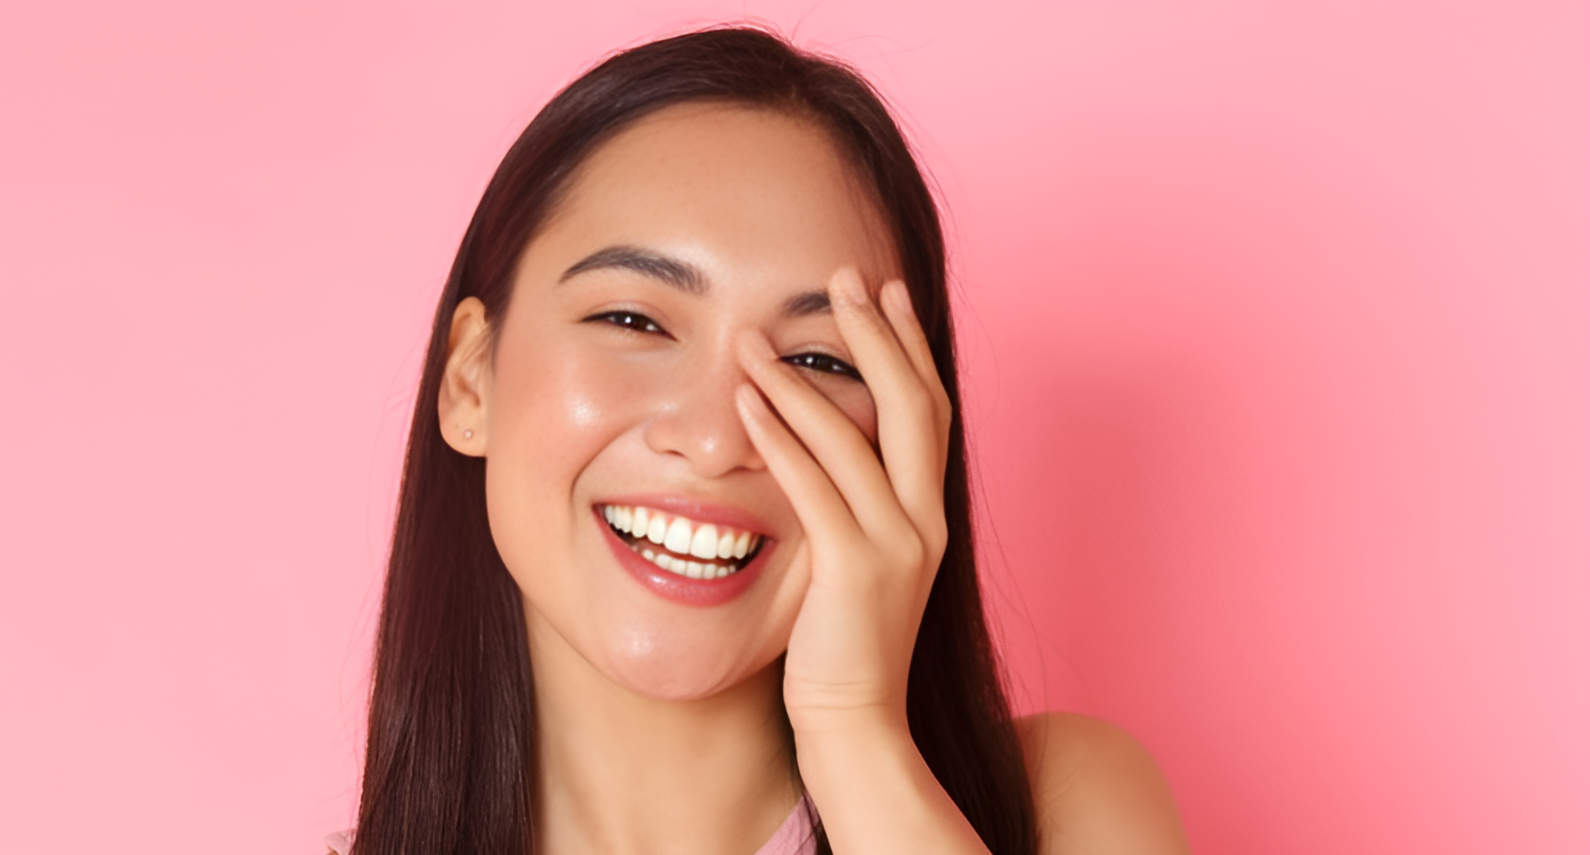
911,553
939,539
918,404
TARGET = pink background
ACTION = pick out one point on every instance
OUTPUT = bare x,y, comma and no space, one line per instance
1275,316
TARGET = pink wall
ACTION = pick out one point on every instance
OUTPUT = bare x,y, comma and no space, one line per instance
1276,317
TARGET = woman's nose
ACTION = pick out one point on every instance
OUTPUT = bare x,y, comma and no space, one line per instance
697,418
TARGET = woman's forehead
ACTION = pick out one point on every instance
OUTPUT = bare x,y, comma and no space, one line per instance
733,186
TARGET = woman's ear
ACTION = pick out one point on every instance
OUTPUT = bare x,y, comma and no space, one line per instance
466,381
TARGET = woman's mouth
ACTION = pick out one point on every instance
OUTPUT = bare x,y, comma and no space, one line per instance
680,545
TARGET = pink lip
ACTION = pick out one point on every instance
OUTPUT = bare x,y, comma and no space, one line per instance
672,586
696,510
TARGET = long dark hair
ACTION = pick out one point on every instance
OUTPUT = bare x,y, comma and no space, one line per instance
449,767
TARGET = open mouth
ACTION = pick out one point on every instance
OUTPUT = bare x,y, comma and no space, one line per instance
681,545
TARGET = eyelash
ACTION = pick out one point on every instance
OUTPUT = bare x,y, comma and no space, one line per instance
821,363
631,321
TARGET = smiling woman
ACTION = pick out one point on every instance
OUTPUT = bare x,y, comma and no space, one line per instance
683,558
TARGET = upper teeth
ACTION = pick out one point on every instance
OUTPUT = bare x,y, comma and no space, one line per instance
681,535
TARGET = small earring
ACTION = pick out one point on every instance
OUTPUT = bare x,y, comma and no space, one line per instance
469,434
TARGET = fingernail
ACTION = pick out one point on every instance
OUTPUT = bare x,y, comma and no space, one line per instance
748,399
848,286
895,292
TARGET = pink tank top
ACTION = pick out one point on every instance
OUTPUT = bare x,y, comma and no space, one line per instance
794,837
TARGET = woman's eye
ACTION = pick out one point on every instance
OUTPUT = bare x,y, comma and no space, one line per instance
634,321
824,363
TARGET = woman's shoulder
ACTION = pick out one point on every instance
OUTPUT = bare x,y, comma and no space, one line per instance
340,843
1096,788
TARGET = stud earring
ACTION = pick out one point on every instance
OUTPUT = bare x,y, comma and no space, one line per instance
469,434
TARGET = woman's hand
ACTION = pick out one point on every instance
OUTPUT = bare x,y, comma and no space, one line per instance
875,529
875,532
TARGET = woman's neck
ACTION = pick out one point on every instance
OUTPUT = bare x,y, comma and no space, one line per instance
631,775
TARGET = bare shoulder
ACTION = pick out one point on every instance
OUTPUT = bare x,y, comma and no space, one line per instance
1096,788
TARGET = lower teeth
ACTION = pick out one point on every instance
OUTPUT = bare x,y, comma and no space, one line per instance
691,569
681,566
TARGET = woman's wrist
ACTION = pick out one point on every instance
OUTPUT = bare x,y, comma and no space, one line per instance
849,723
875,792
839,750
828,734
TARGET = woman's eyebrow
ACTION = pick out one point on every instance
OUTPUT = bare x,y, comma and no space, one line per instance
807,303
680,274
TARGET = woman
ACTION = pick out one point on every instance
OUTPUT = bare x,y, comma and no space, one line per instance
683,558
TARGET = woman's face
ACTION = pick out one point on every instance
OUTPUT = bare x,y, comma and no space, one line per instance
617,468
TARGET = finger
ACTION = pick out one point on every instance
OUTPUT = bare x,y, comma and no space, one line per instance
814,497
895,299
834,441
896,302
908,424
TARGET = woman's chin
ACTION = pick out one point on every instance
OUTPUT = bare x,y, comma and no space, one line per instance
675,687
668,672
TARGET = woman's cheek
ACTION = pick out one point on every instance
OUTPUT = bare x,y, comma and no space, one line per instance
546,428
856,403
572,402
601,397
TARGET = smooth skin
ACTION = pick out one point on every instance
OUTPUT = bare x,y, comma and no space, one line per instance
661,723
